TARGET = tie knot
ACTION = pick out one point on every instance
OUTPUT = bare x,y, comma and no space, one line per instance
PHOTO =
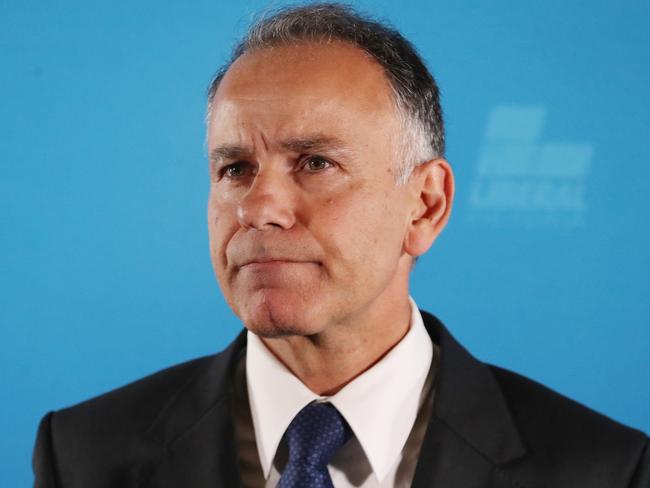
315,434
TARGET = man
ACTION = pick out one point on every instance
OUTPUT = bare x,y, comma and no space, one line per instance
327,182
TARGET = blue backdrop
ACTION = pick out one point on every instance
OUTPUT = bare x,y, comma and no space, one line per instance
104,265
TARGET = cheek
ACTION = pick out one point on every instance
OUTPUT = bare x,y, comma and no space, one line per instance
359,227
220,230
213,225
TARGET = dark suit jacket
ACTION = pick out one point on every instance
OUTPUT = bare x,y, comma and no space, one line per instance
489,428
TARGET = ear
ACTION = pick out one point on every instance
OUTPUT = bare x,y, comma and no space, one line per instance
433,193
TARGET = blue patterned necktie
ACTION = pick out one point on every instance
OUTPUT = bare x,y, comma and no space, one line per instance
313,436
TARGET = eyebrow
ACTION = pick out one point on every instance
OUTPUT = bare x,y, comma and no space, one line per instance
309,144
314,143
229,151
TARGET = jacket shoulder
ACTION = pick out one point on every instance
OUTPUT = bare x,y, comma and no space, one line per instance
110,433
559,432
135,401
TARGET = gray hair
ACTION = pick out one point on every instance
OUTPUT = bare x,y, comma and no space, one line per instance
415,91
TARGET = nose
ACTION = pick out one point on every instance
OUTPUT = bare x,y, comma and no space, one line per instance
267,204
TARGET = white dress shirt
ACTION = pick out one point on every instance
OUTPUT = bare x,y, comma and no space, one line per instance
387,407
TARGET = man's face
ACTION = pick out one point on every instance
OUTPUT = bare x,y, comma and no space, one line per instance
306,222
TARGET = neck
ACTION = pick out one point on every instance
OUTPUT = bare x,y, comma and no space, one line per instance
327,361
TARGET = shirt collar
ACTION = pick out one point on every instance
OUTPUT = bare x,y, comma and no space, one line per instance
380,405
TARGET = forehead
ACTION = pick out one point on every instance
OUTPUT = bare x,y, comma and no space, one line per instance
304,86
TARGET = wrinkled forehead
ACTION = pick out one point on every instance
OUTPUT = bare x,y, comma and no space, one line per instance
340,66
305,79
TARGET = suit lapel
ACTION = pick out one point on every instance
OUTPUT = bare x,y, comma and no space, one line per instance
471,434
195,431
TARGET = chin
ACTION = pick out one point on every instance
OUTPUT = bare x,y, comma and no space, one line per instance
269,315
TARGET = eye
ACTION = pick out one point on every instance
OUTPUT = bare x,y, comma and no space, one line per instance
235,171
315,164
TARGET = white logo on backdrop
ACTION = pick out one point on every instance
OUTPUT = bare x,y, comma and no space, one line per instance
521,178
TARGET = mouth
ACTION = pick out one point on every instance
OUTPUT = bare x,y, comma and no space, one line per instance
273,262
268,264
